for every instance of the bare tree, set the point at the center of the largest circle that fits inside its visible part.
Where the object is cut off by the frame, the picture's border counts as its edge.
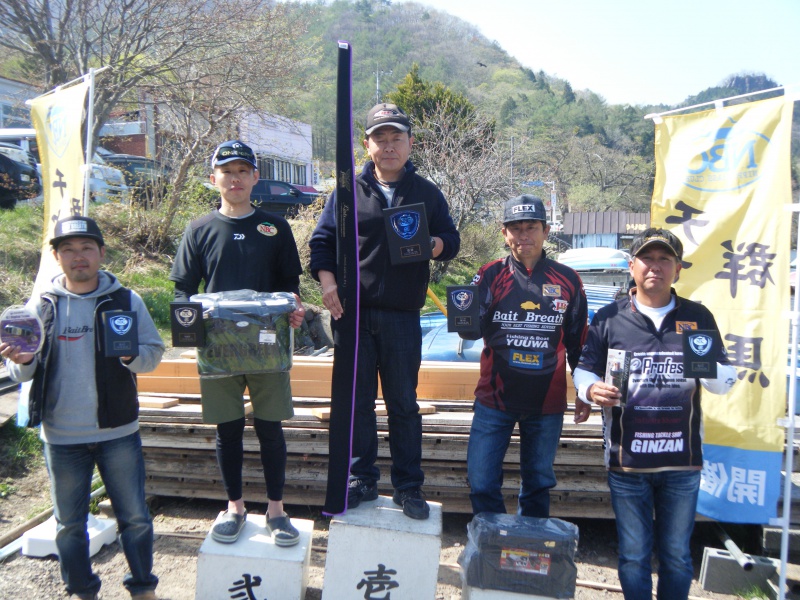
(460, 154)
(140, 40)
(204, 97)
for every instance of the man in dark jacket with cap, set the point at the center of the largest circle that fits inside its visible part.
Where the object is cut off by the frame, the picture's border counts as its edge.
(391, 296)
(85, 399)
(533, 315)
(653, 461)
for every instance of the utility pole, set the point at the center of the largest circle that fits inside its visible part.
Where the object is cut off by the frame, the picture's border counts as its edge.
(377, 72)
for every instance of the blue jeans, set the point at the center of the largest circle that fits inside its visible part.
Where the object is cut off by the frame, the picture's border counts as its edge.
(389, 344)
(673, 497)
(489, 437)
(121, 466)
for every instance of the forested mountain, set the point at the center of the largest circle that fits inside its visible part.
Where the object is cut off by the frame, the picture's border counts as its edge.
(600, 156)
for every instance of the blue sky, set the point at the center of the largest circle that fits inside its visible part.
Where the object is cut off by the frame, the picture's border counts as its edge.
(642, 51)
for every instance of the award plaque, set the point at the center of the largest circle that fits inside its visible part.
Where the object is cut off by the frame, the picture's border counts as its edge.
(186, 319)
(463, 310)
(120, 333)
(700, 349)
(21, 327)
(407, 233)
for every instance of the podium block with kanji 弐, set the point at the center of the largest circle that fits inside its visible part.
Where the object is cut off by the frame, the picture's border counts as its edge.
(253, 566)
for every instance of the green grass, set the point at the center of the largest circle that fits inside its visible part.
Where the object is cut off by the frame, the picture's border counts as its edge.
(20, 448)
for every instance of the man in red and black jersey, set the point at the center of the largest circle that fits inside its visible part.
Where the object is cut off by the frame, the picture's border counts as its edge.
(533, 320)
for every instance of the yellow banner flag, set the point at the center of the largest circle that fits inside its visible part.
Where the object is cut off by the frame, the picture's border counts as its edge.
(58, 118)
(722, 186)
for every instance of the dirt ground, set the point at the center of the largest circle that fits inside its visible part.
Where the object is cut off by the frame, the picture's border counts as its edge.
(181, 526)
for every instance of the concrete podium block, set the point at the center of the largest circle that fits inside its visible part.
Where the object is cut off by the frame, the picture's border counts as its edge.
(41, 540)
(375, 550)
(253, 566)
(475, 593)
(721, 573)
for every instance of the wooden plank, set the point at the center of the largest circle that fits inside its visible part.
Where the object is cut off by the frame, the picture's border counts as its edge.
(157, 402)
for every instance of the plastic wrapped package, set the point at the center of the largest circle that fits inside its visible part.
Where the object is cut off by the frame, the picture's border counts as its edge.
(246, 332)
(524, 555)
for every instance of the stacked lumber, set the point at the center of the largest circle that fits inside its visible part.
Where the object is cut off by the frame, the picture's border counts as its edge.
(180, 459)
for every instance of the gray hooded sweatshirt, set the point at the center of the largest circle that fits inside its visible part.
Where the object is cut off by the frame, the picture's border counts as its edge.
(71, 413)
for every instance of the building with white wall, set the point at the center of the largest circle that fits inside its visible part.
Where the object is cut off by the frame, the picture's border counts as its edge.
(283, 147)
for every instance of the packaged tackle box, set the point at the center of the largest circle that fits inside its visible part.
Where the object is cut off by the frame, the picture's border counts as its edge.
(245, 332)
(524, 555)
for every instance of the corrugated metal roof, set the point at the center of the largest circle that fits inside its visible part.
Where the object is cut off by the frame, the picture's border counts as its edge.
(613, 221)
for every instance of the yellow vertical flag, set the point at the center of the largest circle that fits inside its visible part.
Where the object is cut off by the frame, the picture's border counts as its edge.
(722, 186)
(58, 118)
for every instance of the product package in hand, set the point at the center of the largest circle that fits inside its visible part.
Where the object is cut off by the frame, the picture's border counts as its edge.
(21, 327)
(245, 332)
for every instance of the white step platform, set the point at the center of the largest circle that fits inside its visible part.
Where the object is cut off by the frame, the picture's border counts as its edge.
(41, 540)
(375, 551)
(254, 566)
(475, 593)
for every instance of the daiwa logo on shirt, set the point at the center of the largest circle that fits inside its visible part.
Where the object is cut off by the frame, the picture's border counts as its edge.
(726, 158)
(526, 360)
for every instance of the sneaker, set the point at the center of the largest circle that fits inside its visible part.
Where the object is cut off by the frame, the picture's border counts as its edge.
(228, 527)
(361, 491)
(413, 503)
(282, 531)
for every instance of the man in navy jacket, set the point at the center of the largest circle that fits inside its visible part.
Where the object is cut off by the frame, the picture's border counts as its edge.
(391, 296)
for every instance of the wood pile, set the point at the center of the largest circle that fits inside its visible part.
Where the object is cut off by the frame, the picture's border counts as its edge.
(180, 456)
(180, 459)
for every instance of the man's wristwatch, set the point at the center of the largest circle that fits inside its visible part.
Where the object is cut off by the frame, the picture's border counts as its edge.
(433, 243)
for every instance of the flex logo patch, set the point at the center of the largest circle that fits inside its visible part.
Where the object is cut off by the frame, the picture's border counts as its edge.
(560, 305)
(267, 229)
(526, 360)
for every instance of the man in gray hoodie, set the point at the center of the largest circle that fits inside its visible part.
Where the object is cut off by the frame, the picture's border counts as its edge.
(86, 403)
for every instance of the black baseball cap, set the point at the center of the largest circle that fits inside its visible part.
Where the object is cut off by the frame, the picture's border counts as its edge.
(75, 226)
(524, 208)
(233, 150)
(655, 235)
(384, 114)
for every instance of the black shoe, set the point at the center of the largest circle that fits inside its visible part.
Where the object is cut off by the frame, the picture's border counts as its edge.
(361, 491)
(282, 531)
(413, 503)
(228, 527)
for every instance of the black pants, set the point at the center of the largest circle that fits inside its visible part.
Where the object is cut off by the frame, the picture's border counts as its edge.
(230, 456)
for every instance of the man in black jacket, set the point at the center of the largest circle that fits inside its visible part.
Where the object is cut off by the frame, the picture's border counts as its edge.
(391, 296)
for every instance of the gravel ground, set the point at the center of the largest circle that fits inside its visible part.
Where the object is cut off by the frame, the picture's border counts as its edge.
(181, 526)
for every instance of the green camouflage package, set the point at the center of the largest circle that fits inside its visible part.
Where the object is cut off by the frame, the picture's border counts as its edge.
(246, 332)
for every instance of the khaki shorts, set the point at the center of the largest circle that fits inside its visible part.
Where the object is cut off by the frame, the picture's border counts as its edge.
(270, 393)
